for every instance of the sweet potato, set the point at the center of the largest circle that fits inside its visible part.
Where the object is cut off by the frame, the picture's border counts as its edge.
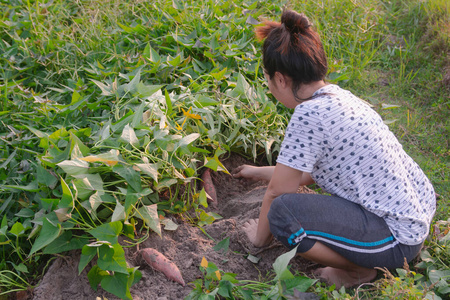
(159, 262)
(208, 185)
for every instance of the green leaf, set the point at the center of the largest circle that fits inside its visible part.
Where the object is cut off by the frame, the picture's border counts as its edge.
(4, 165)
(246, 294)
(75, 141)
(252, 21)
(401, 272)
(95, 276)
(107, 232)
(94, 202)
(31, 187)
(132, 177)
(444, 288)
(135, 276)
(281, 263)
(67, 199)
(146, 91)
(149, 213)
(106, 89)
(225, 289)
(203, 198)
(37, 133)
(169, 224)
(87, 254)
(203, 101)
(223, 245)
(117, 284)
(49, 204)
(215, 215)
(4, 207)
(132, 85)
(168, 103)
(74, 167)
(439, 276)
(45, 177)
(175, 61)
(206, 218)
(188, 139)
(125, 28)
(25, 213)
(87, 184)
(151, 54)
(426, 256)
(431, 296)
(219, 75)
(166, 183)
(146, 52)
(49, 233)
(129, 136)
(128, 229)
(17, 229)
(219, 152)
(149, 169)
(119, 213)
(299, 283)
(213, 164)
(178, 5)
(119, 125)
(64, 243)
(242, 85)
(20, 268)
(112, 258)
(130, 200)
(59, 134)
(138, 115)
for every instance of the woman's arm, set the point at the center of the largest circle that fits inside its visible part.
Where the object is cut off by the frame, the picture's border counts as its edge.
(264, 173)
(254, 173)
(284, 180)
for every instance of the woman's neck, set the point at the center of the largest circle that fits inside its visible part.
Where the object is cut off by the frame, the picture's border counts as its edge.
(307, 90)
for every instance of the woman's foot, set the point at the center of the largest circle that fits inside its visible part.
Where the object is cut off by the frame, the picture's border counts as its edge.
(341, 277)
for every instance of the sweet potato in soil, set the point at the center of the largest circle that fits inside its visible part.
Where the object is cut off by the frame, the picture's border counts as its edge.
(208, 185)
(159, 262)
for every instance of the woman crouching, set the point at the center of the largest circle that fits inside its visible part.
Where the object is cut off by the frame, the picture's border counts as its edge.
(381, 203)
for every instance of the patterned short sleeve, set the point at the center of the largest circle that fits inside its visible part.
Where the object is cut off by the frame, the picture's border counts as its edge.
(304, 140)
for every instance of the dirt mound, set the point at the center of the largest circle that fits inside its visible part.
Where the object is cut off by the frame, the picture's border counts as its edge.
(238, 201)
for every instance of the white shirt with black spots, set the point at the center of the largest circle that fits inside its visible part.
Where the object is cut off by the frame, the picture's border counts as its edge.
(352, 154)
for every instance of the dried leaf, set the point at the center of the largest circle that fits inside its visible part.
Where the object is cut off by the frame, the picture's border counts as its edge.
(204, 263)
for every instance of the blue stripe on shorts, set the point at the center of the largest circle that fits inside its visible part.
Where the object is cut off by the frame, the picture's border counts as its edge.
(348, 241)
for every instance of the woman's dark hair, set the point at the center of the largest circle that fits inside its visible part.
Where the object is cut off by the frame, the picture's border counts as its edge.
(294, 49)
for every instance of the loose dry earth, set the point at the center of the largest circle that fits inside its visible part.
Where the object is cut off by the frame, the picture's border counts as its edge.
(238, 201)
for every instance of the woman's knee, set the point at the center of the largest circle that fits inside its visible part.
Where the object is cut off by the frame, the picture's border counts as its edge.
(277, 209)
(281, 217)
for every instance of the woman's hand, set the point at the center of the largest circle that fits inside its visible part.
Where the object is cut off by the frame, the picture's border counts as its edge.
(253, 173)
(250, 228)
(246, 171)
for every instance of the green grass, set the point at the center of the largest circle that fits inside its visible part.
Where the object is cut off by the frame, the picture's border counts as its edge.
(151, 93)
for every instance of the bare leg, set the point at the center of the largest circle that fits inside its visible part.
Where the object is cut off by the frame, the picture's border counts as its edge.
(340, 271)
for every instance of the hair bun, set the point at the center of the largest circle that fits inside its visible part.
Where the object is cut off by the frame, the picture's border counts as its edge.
(295, 22)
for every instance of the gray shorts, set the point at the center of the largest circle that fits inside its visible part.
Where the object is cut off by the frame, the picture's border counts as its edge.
(357, 234)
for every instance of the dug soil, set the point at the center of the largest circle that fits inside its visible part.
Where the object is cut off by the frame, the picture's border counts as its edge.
(237, 201)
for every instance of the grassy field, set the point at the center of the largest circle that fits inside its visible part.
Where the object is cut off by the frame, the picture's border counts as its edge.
(106, 105)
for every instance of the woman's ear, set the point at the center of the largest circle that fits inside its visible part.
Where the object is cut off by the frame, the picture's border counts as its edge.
(281, 80)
